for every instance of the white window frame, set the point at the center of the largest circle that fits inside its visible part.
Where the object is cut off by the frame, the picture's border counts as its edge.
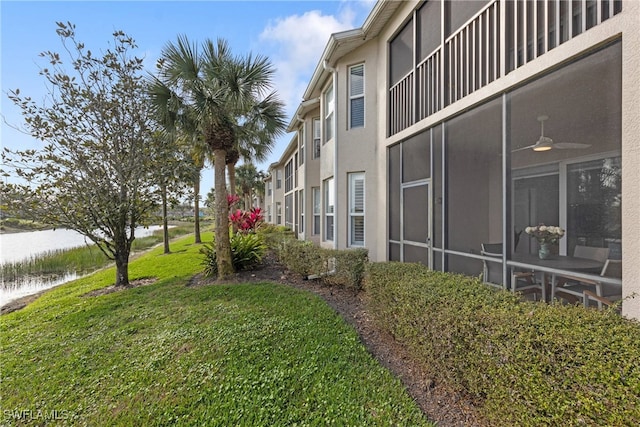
(329, 209)
(317, 210)
(301, 206)
(278, 213)
(355, 96)
(317, 138)
(301, 149)
(329, 108)
(354, 211)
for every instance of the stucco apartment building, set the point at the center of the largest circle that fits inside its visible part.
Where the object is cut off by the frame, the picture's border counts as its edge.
(440, 126)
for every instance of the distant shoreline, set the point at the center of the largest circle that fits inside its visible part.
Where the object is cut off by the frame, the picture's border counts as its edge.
(14, 230)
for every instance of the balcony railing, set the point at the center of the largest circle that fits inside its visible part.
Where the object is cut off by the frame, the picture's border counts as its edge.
(401, 104)
(500, 38)
(473, 54)
(429, 85)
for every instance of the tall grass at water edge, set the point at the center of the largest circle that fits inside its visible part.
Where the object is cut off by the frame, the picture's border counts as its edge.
(77, 260)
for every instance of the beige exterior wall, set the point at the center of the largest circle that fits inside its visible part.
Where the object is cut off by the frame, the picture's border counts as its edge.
(327, 163)
(309, 175)
(630, 27)
(356, 148)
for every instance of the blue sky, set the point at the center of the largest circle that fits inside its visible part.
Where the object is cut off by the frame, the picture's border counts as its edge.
(291, 33)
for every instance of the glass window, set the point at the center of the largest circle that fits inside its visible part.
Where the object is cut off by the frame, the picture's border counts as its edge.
(301, 139)
(356, 96)
(328, 114)
(356, 209)
(288, 176)
(594, 203)
(315, 191)
(316, 138)
(535, 201)
(288, 210)
(329, 206)
(278, 213)
(301, 198)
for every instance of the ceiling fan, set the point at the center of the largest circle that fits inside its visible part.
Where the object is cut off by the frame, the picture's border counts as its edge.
(545, 143)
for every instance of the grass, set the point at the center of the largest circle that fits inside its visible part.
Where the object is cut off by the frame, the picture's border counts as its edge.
(164, 354)
(79, 260)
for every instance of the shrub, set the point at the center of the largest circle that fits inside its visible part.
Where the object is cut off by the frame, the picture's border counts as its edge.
(301, 257)
(334, 267)
(275, 236)
(247, 251)
(526, 364)
(347, 267)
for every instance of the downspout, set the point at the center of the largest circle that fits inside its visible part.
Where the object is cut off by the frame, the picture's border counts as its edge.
(304, 181)
(334, 74)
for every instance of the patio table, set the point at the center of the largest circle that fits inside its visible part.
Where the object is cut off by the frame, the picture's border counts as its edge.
(550, 267)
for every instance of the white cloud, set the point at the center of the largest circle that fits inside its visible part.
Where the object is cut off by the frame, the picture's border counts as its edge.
(296, 43)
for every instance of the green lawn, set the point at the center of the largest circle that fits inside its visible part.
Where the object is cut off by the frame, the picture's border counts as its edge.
(254, 355)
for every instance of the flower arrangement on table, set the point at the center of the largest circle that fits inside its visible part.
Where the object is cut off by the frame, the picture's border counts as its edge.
(545, 233)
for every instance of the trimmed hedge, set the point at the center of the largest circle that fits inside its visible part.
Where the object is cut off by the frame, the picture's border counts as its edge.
(334, 267)
(525, 363)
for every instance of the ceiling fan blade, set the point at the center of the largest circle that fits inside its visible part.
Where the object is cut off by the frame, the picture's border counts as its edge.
(528, 147)
(570, 145)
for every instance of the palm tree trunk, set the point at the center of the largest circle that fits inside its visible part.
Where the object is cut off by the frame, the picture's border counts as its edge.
(196, 207)
(223, 246)
(165, 224)
(231, 167)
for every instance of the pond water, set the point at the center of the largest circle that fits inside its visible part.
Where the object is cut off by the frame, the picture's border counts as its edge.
(20, 246)
(16, 247)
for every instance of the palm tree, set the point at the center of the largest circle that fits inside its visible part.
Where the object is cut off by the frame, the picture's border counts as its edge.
(228, 97)
(247, 178)
(178, 122)
(252, 144)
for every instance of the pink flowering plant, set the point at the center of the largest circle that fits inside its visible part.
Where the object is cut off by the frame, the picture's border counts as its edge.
(545, 233)
(232, 200)
(246, 221)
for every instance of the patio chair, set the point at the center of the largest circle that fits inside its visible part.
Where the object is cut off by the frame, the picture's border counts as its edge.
(518, 281)
(602, 293)
(588, 252)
